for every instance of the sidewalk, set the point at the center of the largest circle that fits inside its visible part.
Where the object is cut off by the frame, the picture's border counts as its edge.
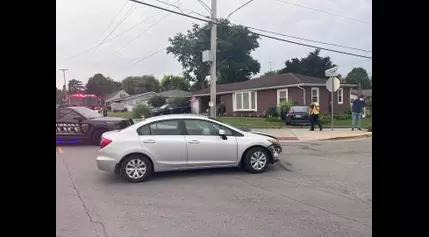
(301, 134)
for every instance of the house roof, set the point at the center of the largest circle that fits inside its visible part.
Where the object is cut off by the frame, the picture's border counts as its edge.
(111, 95)
(138, 95)
(174, 94)
(268, 82)
(365, 93)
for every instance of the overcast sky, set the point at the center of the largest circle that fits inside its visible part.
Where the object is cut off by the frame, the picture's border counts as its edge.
(81, 23)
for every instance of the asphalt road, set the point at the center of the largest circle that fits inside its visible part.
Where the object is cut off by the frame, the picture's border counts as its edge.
(318, 189)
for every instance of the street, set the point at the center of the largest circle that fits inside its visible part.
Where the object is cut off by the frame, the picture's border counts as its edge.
(317, 189)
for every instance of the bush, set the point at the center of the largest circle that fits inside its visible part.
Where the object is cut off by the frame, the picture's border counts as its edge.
(370, 128)
(157, 101)
(141, 110)
(348, 111)
(284, 107)
(180, 101)
(271, 112)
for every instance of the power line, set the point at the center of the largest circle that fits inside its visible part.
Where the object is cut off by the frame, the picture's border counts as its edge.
(143, 59)
(262, 35)
(138, 36)
(205, 6)
(310, 40)
(239, 8)
(129, 12)
(322, 11)
(111, 23)
(153, 25)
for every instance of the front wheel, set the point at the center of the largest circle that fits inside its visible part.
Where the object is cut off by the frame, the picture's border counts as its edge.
(136, 168)
(256, 160)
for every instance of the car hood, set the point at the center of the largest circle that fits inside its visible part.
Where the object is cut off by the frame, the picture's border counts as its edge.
(109, 119)
(258, 132)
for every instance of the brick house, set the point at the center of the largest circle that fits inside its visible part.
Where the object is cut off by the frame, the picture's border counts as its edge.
(253, 97)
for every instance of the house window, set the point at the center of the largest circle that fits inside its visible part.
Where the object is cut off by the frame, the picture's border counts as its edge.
(340, 95)
(282, 96)
(245, 101)
(315, 94)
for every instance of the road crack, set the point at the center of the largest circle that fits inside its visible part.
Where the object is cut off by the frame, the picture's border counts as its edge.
(85, 206)
(304, 203)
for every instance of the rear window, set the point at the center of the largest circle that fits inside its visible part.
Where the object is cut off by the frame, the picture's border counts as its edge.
(299, 109)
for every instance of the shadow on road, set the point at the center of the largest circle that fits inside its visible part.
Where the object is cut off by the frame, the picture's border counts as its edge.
(166, 176)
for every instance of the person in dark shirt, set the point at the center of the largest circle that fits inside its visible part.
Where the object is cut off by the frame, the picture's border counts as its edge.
(357, 107)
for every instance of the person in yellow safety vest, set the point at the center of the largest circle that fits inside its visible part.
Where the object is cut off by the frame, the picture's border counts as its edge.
(314, 115)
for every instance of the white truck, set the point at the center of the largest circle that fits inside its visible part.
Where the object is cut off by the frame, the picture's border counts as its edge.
(117, 107)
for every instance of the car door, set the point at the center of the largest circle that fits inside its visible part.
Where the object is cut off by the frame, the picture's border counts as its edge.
(165, 142)
(67, 124)
(206, 148)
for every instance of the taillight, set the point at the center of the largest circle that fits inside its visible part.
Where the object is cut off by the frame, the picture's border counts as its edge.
(290, 115)
(104, 142)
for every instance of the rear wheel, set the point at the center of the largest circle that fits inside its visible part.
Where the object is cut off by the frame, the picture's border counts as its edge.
(256, 160)
(136, 168)
(96, 136)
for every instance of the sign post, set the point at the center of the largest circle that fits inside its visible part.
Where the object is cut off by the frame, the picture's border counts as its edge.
(333, 84)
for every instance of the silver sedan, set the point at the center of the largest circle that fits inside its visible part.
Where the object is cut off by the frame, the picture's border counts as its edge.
(183, 142)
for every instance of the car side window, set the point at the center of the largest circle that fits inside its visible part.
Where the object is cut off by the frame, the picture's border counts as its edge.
(198, 127)
(144, 130)
(67, 114)
(169, 127)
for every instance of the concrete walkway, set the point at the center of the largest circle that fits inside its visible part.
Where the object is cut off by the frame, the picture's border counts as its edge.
(302, 134)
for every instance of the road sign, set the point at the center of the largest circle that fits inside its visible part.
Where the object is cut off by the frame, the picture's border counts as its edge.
(329, 84)
(331, 72)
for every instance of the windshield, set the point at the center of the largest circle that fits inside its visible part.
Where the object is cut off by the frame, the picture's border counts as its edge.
(87, 113)
(299, 109)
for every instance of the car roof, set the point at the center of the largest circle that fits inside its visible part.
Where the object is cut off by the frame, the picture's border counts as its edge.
(175, 116)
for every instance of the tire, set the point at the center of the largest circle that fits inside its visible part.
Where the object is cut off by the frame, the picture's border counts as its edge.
(256, 154)
(96, 136)
(139, 162)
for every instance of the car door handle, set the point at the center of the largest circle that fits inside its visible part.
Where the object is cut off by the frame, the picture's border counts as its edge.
(193, 142)
(149, 141)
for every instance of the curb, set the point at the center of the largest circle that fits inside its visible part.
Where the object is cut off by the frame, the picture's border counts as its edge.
(368, 134)
(288, 138)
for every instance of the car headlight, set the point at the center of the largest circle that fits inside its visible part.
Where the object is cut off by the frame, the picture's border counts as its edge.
(273, 141)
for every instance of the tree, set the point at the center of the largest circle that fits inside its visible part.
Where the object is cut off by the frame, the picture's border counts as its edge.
(313, 65)
(59, 96)
(359, 76)
(234, 45)
(157, 101)
(101, 85)
(170, 82)
(75, 86)
(270, 73)
(142, 84)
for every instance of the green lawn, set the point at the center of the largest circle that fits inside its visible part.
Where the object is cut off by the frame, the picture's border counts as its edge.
(263, 123)
(119, 114)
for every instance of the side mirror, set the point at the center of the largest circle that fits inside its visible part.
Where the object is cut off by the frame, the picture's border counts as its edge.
(221, 133)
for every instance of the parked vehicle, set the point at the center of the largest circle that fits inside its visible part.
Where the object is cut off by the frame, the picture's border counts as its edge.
(297, 115)
(81, 124)
(182, 142)
(117, 107)
(171, 109)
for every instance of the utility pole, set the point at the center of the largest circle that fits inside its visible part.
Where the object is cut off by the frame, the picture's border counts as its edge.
(65, 81)
(213, 63)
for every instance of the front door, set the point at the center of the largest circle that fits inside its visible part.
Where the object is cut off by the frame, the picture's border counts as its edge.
(68, 125)
(206, 148)
(165, 143)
